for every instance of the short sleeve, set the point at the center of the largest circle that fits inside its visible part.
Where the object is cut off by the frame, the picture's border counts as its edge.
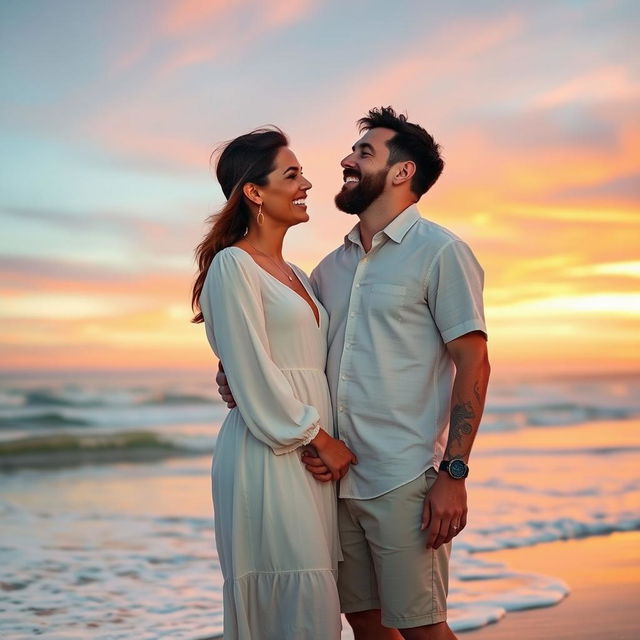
(231, 304)
(453, 288)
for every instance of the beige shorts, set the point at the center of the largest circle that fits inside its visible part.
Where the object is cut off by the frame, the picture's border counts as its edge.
(386, 563)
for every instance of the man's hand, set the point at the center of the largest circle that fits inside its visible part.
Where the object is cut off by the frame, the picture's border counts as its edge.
(314, 464)
(223, 387)
(444, 514)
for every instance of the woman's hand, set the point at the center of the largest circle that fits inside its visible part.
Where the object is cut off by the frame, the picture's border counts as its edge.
(333, 458)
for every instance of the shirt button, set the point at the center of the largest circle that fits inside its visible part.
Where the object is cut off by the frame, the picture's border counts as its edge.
(358, 286)
(352, 314)
(341, 408)
(344, 377)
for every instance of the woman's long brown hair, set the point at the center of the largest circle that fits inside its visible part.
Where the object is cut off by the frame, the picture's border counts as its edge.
(248, 158)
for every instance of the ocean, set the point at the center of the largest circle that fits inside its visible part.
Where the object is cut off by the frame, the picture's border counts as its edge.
(107, 523)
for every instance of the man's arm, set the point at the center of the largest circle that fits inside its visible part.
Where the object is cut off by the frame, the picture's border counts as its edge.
(445, 507)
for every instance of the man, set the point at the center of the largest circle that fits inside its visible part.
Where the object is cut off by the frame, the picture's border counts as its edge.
(408, 371)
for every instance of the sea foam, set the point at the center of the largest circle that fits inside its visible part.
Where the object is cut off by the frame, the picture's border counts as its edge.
(126, 550)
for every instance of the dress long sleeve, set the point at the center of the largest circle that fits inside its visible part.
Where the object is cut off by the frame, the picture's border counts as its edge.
(231, 303)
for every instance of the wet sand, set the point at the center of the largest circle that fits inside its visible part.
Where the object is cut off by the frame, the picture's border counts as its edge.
(603, 573)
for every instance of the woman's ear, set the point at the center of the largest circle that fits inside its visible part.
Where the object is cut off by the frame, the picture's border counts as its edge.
(250, 190)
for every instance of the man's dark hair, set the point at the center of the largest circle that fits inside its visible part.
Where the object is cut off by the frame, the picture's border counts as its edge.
(411, 142)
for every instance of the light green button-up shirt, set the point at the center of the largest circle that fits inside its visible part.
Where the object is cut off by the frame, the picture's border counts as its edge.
(391, 312)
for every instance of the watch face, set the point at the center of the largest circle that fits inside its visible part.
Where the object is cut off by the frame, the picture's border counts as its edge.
(457, 468)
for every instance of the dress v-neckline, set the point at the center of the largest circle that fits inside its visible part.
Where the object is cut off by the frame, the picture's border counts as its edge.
(317, 322)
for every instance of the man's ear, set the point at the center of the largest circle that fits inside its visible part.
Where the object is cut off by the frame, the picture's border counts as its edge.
(251, 191)
(404, 171)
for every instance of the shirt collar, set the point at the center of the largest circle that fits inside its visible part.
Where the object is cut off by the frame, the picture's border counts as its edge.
(353, 237)
(396, 230)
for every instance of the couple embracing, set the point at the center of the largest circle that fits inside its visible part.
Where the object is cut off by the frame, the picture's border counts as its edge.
(356, 393)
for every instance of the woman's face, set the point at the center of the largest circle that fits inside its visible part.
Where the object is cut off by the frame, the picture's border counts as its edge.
(284, 195)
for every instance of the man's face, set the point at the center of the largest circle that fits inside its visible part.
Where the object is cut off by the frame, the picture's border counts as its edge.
(365, 171)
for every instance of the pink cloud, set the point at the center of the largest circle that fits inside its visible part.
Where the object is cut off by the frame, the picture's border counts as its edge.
(189, 56)
(172, 151)
(422, 65)
(210, 29)
(142, 128)
(185, 16)
(196, 31)
(284, 12)
(609, 83)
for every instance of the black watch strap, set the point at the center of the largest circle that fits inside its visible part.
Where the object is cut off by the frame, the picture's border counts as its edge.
(456, 468)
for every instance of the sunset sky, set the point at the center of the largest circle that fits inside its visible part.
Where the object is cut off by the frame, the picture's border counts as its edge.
(110, 111)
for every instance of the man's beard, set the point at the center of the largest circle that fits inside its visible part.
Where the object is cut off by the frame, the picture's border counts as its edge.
(356, 199)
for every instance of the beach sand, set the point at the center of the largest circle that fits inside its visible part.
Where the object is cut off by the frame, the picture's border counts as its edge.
(603, 573)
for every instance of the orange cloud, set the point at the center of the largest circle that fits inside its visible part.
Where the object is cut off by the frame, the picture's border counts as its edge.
(541, 180)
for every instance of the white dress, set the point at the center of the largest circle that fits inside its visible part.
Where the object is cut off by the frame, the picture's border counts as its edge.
(276, 527)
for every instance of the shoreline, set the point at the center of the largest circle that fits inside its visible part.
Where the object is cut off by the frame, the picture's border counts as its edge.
(603, 575)
(51, 460)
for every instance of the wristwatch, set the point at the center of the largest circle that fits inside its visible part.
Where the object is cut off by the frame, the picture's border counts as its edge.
(456, 468)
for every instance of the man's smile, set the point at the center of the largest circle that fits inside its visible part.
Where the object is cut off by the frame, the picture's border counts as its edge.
(350, 176)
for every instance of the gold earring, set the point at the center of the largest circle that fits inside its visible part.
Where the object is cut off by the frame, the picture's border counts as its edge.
(260, 216)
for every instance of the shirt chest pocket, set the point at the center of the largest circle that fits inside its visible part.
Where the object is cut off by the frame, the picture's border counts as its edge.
(385, 299)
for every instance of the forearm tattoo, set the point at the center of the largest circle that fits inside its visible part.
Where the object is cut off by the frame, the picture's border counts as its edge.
(460, 415)
(476, 393)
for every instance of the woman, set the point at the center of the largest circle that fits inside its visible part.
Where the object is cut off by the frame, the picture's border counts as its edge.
(276, 529)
